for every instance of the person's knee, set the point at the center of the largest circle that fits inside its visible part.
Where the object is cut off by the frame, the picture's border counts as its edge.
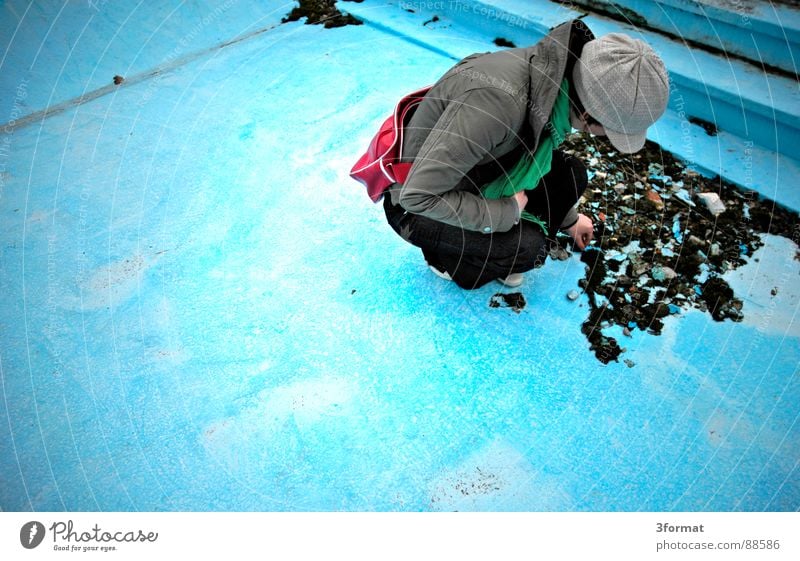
(533, 249)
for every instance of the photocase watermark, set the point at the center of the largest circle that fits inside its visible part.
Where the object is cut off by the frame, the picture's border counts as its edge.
(97, 5)
(20, 94)
(521, 93)
(569, 6)
(452, 6)
(490, 80)
(742, 8)
(184, 42)
(66, 537)
(748, 165)
(83, 227)
(31, 534)
(52, 270)
(679, 105)
(420, 6)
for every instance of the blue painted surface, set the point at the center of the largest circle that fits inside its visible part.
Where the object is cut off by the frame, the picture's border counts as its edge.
(201, 311)
(64, 50)
(763, 32)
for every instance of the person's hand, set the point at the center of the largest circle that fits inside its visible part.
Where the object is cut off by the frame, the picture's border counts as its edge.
(582, 231)
(522, 200)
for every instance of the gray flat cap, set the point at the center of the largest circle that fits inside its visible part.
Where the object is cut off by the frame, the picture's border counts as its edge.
(624, 85)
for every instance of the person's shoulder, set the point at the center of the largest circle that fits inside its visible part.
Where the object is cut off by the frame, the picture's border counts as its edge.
(505, 105)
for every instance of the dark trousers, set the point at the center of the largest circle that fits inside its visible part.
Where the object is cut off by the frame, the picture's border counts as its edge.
(473, 259)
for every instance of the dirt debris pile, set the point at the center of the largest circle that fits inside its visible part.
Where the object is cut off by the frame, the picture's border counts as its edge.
(321, 11)
(664, 237)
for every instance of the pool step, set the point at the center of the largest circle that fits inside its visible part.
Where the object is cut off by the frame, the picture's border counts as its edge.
(765, 33)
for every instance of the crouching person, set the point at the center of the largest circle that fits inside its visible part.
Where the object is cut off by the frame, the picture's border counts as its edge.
(488, 184)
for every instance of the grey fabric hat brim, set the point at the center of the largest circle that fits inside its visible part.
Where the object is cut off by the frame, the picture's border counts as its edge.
(626, 143)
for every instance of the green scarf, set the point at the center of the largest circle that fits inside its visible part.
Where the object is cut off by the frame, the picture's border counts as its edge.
(530, 168)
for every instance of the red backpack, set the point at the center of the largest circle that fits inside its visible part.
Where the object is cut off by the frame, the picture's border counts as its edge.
(380, 165)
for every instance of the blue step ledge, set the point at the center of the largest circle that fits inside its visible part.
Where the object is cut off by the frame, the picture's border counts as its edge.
(763, 32)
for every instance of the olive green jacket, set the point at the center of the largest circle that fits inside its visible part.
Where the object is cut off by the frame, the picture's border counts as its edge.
(480, 114)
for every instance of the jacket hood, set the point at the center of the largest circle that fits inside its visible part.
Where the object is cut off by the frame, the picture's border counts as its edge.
(549, 61)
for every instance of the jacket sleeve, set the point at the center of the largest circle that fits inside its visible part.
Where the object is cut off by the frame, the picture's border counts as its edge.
(469, 128)
(570, 219)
